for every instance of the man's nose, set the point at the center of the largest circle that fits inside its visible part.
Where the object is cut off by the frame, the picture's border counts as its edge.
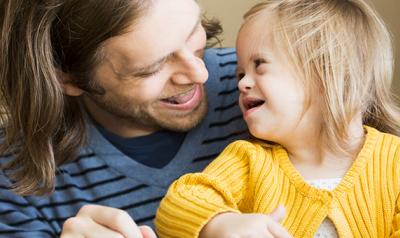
(189, 68)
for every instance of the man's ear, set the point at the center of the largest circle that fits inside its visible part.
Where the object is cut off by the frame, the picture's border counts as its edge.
(69, 87)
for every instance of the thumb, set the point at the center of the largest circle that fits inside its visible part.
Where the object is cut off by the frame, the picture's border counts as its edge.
(147, 232)
(278, 214)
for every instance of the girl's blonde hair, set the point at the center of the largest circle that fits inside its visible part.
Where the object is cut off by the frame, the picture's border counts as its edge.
(342, 49)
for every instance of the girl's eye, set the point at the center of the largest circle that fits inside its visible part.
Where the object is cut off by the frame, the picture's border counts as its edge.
(239, 76)
(258, 62)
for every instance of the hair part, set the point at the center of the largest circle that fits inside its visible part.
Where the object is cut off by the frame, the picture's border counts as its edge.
(342, 49)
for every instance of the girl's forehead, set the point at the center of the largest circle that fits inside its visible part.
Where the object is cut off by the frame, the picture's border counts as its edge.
(254, 36)
(259, 28)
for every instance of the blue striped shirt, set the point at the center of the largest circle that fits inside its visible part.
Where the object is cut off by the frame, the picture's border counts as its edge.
(104, 175)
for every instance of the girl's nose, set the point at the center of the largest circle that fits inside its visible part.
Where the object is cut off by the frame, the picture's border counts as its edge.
(245, 84)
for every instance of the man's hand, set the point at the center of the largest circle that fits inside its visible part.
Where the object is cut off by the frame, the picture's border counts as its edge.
(103, 222)
(227, 225)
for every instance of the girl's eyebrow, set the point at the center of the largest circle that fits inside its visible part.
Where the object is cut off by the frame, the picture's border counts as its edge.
(261, 55)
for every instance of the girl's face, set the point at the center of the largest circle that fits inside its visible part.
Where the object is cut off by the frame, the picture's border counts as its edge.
(272, 99)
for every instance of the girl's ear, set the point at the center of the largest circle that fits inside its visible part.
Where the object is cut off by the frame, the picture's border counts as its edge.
(69, 87)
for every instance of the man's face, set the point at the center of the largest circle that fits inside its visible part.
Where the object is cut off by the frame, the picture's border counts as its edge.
(153, 75)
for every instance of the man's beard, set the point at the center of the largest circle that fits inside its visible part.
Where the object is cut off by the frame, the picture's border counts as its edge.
(145, 115)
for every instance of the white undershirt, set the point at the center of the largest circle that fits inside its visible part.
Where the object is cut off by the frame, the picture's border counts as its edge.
(327, 228)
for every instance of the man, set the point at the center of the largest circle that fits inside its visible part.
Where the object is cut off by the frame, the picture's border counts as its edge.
(107, 102)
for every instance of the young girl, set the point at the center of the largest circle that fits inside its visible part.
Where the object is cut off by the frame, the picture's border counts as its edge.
(314, 78)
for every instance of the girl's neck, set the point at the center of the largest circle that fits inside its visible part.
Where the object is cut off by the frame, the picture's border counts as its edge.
(313, 154)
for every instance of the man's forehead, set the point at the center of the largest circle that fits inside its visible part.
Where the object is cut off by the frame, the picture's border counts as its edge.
(154, 37)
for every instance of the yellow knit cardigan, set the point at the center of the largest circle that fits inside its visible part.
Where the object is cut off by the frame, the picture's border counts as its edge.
(252, 178)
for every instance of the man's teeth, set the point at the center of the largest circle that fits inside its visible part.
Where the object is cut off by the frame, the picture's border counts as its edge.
(178, 99)
(169, 100)
(181, 95)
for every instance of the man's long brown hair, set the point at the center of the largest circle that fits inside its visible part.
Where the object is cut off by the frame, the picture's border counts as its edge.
(42, 127)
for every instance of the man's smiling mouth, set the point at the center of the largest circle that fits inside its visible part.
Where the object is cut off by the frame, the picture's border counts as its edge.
(181, 98)
(186, 101)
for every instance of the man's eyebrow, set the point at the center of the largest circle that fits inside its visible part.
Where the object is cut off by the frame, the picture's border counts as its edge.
(139, 70)
(150, 67)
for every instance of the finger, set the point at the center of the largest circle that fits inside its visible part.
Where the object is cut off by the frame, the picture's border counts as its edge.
(147, 232)
(84, 227)
(278, 231)
(115, 219)
(73, 227)
(278, 214)
(268, 235)
(71, 235)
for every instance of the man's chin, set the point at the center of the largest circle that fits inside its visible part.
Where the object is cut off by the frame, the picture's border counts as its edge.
(183, 123)
(180, 126)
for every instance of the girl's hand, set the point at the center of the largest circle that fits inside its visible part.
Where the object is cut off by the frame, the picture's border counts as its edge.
(229, 225)
(100, 221)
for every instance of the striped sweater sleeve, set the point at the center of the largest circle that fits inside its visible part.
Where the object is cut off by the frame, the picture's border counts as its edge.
(195, 198)
(18, 218)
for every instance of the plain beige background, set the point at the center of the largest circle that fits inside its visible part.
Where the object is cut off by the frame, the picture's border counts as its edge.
(230, 13)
